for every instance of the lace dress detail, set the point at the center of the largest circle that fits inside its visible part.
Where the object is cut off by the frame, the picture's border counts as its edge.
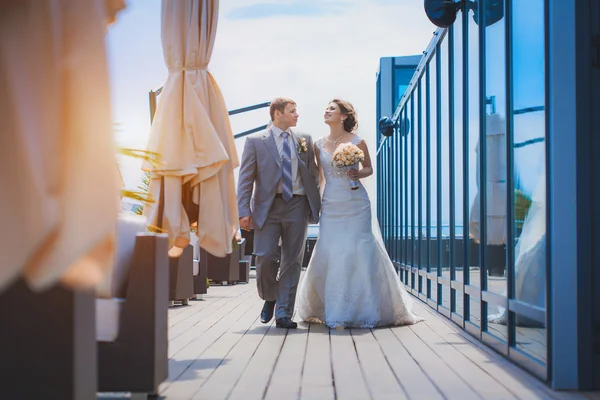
(350, 281)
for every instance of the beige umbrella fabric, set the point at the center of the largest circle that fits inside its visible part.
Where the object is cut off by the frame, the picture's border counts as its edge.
(191, 132)
(58, 172)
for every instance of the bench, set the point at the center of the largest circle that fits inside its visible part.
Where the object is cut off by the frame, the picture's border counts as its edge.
(131, 318)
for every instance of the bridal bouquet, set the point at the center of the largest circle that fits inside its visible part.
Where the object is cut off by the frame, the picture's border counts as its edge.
(347, 157)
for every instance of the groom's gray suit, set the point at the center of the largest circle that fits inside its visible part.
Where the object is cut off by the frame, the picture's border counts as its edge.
(273, 218)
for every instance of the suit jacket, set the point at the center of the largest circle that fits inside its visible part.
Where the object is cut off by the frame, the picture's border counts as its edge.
(260, 173)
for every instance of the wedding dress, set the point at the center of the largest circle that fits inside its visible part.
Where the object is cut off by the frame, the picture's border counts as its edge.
(350, 281)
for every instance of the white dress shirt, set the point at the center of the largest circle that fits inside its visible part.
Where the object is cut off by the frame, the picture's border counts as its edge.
(297, 186)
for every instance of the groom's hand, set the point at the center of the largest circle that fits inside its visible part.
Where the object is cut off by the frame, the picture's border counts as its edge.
(246, 223)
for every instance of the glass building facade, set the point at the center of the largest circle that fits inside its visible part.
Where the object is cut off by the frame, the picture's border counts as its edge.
(488, 186)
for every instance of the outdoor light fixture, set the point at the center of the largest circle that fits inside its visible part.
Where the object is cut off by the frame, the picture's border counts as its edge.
(442, 13)
(387, 127)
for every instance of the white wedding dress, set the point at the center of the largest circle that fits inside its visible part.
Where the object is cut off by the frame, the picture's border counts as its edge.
(350, 281)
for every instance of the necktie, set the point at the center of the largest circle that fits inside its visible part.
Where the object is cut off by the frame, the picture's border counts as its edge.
(286, 174)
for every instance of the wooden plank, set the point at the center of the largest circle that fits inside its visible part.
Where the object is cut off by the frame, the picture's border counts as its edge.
(221, 293)
(203, 324)
(287, 374)
(223, 381)
(479, 381)
(217, 297)
(446, 380)
(348, 378)
(380, 379)
(181, 361)
(179, 329)
(520, 383)
(220, 300)
(220, 350)
(255, 379)
(409, 373)
(190, 382)
(317, 376)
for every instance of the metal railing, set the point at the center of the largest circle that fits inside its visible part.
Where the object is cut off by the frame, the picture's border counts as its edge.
(153, 97)
(421, 183)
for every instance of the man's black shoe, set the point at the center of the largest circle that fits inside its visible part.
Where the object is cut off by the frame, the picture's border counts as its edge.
(286, 323)
(267, 312)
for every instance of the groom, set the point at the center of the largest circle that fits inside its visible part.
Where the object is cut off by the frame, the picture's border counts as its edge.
(278, 172)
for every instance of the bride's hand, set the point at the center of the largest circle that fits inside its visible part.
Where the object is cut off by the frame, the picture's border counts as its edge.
(353, 174)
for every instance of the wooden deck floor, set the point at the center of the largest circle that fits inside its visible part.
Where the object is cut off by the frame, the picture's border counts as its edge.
(219, 349)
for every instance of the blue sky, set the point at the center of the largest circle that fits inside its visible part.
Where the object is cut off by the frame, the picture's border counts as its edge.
(262, 10)
(310, 50)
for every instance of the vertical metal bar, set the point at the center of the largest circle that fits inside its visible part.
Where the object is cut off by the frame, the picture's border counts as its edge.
(397, 193)
(390, 167)
(451, 167)
(400, 194)
(396, 196)
(394, 200)
(466, 150)
(388, 200)
(550, 205)
(510, 183)
(385, 195)
(482, 164)
(406, 203)
(388, 185)
(438, 126)
(428, 172)
(412, 187)
(377, 139)
(420, 183)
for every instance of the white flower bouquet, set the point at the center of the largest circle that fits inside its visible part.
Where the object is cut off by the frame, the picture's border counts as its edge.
(347, 156)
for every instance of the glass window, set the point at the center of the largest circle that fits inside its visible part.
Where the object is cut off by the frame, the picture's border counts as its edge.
(402, 77)
(472, 146)
(528, 146)
(445, 176)
(496, 169)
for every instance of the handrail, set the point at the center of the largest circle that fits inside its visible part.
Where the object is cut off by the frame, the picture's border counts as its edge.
(249, 108)
(428, 54)
(249, 132)
(153, 94)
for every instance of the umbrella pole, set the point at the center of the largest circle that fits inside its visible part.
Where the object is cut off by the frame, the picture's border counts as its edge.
(161, 202)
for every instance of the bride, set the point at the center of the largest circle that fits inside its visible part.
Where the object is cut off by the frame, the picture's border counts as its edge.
(350, 281)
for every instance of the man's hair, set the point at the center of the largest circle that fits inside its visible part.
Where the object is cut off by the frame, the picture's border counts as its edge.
(279, 104)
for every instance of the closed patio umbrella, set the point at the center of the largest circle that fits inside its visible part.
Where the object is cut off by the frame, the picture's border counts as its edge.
(58, 172)
(192, 134)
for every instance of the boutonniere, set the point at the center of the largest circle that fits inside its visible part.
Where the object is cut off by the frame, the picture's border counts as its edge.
(302, 147)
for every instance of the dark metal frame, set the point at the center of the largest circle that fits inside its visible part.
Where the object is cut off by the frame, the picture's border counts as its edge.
(397, 195)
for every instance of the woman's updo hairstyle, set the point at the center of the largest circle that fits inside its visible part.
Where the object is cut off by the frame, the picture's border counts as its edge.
(351, 121)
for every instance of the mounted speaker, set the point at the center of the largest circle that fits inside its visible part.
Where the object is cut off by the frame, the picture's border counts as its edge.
(494, 12)
(442, 13)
